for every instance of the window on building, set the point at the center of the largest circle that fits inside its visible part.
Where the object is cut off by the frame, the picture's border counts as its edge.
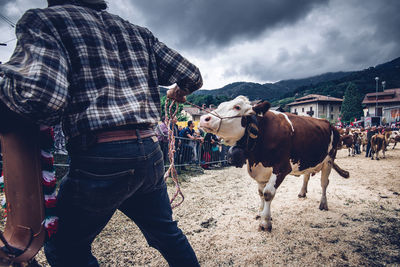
(323, 108)
(331, 108)
(379, 112)
(310, 108)
(331, 116)
(340, 108)
(295, 110)
(302, 110)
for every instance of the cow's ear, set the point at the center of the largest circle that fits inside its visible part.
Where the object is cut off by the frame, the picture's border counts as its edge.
(262, 107)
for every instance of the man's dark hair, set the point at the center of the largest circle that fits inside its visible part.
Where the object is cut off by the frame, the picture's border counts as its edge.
(190, 123)
(100, 6)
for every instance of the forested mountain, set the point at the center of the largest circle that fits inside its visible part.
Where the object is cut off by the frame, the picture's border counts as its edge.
(269, 91)
(333, 84)
(364, 81)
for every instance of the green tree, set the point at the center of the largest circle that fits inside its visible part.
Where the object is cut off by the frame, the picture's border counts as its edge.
(352, 104)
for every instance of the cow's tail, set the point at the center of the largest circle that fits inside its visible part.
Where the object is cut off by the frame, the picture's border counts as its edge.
(343, 173)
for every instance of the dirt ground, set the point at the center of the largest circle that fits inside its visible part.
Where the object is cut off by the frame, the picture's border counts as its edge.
(362, 226)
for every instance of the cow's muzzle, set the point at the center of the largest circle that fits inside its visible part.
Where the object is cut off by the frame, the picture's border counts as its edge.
(236, 157)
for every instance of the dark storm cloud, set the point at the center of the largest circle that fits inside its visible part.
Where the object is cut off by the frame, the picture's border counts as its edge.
(362, 34)
(215, 22)
(13, 9)
(385, 15)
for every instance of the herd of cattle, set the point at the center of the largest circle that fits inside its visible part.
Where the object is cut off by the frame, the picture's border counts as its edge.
(357, 139)
(275, 144)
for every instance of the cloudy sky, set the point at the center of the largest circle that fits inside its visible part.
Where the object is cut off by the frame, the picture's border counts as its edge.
(257, 40)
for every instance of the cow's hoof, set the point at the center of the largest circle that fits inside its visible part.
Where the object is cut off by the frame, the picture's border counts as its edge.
(264, 228)
(372, 158)
(323, 206)
(377, 158)
(301, 195)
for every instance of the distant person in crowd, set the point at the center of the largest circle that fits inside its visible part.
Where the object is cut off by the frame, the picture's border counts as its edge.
(215, 148)
(370, 132)
(357, 143)
(196, 145)
(188, 141)
(162, 136)
(208, 144)
(59, 140)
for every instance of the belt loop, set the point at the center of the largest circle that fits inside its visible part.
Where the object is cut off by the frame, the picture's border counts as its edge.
(139, 137)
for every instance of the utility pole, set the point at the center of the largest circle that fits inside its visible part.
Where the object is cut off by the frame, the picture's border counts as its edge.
(376, 96)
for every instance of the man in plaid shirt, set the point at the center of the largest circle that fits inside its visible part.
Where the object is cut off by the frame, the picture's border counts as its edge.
(99, 75)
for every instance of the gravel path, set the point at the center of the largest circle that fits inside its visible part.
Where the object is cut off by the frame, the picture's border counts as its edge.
(361, 227)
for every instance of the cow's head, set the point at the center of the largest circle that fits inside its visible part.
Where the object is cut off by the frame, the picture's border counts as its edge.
(230, 119)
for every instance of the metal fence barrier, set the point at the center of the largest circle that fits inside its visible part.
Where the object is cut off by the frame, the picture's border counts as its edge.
(196, 153)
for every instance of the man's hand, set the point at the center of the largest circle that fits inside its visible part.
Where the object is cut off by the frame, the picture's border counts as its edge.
(176, 94)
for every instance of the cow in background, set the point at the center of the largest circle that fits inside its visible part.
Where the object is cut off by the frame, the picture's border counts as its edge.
(394, 138)
(378, 143)
(346, 141)
(364, 141)
(282, 142)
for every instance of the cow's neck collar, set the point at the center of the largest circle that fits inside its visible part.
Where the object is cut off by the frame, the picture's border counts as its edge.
(249, 140)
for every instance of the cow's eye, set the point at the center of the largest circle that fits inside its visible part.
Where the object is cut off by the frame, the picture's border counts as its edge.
(236, 107)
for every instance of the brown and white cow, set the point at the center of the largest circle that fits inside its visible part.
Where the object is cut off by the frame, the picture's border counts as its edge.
(394, 138)
(285, 144)
(347, 141)
(364, 140)
(378, 143)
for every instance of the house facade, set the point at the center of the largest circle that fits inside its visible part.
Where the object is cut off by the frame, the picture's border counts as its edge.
(194, 113)
(317, 106)
(384, 104)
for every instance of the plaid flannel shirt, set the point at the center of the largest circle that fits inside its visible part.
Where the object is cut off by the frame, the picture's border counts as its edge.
(89, 69)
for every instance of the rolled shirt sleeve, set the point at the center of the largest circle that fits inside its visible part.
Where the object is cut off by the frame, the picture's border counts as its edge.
(35, 83)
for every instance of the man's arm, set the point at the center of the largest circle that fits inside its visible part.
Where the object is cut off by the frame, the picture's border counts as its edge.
(35, 84)
(188, 135)
(174, 68)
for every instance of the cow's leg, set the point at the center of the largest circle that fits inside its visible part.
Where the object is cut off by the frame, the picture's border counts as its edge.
(268, 194)
(303, 190)
(394, 145)
(326, 170)
(377, 155)
(261, 187)
(266, 220)
(349, 151)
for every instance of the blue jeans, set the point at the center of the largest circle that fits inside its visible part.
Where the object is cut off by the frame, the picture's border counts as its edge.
(124, 175)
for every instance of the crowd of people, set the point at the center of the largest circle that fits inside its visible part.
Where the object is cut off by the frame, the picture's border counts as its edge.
(191, 146)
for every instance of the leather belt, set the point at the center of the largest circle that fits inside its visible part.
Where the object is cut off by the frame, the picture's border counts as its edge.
(120, 135)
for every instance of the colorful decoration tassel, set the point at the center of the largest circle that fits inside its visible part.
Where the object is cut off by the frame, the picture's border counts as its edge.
(49, 179)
